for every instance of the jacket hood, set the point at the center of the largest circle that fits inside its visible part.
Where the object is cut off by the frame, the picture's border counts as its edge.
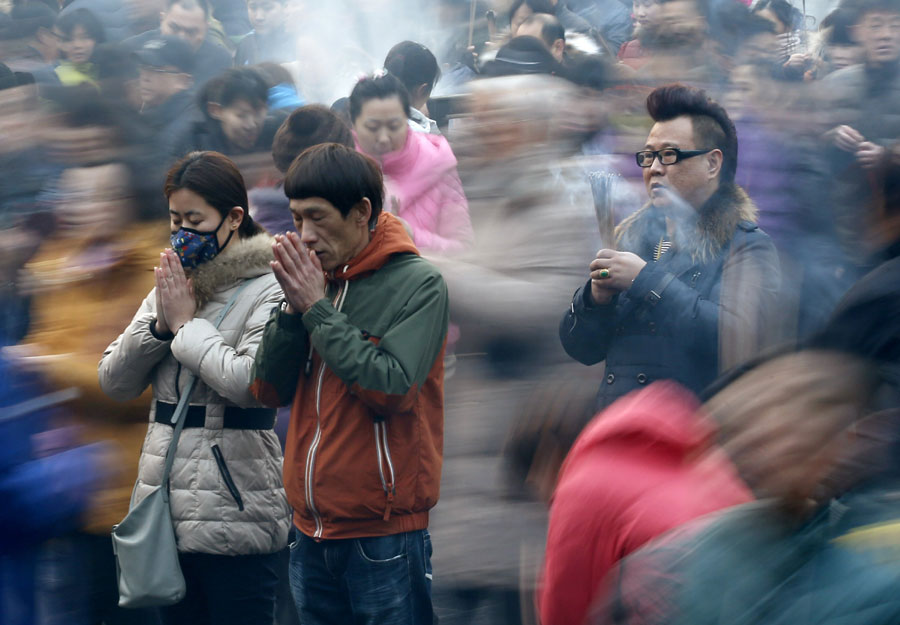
(664, 416)
(240, 260)
(421, 163)
(389, 238)
(710, 228)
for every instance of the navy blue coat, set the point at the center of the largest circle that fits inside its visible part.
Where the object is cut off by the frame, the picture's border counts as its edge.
(702, 308)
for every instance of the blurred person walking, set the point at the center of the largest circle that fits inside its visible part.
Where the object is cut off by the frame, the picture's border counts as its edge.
(82, 285)
(357, 348)
(531, 207)
(189, 21)
(691, 287)
(228, 505)
(422, 186)
(643, 466)
(236, 119)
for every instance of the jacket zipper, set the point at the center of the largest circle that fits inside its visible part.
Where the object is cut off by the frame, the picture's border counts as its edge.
(383, 452)
(338, 302)
(226, 475)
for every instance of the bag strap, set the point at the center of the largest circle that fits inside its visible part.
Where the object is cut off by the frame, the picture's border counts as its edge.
(181, 408)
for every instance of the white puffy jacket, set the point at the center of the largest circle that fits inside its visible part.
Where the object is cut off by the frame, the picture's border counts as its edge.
(227, 495)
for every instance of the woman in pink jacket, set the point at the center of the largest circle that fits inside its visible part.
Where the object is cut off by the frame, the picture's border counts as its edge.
(422, 185)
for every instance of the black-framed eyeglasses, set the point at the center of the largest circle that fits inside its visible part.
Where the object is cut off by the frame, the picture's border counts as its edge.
(666, 156)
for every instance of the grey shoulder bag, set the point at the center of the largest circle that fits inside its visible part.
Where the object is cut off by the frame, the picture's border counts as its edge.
(144, 542)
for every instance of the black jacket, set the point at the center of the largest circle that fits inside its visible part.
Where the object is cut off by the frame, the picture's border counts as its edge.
(702, 308)
(207, 134)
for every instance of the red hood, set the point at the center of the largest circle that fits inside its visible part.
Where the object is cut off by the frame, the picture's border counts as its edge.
(665, 416)
(389, 238)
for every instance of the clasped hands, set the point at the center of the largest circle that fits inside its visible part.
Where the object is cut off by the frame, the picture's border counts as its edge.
(175, 303)
(868, 154)
(613, 272)
(298, 271)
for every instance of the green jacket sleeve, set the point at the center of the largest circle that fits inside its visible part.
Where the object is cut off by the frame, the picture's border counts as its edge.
(280, 358)
(387, 375)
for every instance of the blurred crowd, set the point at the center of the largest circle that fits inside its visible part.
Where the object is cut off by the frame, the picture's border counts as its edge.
(704, 433)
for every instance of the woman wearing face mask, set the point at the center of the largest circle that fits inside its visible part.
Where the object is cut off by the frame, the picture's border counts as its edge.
(228, 504)
(422, 186)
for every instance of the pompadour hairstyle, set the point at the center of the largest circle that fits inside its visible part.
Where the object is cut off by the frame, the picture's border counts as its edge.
(712, 126)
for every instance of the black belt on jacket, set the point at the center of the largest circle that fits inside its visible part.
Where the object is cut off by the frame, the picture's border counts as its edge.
(235, 418)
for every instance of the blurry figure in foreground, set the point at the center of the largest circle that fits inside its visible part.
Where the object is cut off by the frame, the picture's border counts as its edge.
(792, 427)
(47, 481)
(269, 40)
(531, 208)
(692, 263)
(422, 186)
(85, 283)
(645, 465)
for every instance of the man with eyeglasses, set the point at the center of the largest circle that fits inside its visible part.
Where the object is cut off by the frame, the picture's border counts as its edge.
(691, 285)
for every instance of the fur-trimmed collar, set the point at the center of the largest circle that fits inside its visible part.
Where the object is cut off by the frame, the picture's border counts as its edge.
(701, 233)
(241, 259)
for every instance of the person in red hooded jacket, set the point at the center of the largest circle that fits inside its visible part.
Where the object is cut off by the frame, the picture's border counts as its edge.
(643, 466)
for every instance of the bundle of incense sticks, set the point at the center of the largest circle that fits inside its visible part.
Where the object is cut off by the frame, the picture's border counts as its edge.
(603, 186)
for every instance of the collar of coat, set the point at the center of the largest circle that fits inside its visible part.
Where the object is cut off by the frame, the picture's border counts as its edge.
(702, 233)
(241, 259)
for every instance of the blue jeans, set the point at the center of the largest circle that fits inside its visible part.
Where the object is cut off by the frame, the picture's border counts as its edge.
(384, 580)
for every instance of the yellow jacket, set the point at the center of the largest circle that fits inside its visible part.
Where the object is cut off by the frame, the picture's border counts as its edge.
(77, 311)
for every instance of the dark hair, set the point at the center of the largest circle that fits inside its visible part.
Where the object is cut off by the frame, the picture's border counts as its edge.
(538, 6)
(190, 4)
(377, 88)
(837, 25)
(338, 174)
(860, 8)
(232, 86)
(413, 64)
(522, 55)
(273, 74)
(551, 28)
(786, 14)
(712, 126)
(305, 127)
(216, 179)
(85, 18)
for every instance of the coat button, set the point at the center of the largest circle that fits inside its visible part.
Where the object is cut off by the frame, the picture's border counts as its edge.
(642, 378)
(610, 378)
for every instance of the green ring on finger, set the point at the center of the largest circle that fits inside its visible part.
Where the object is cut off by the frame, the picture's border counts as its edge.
(604, 273)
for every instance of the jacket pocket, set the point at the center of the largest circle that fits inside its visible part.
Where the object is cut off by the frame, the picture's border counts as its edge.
(226, 475)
